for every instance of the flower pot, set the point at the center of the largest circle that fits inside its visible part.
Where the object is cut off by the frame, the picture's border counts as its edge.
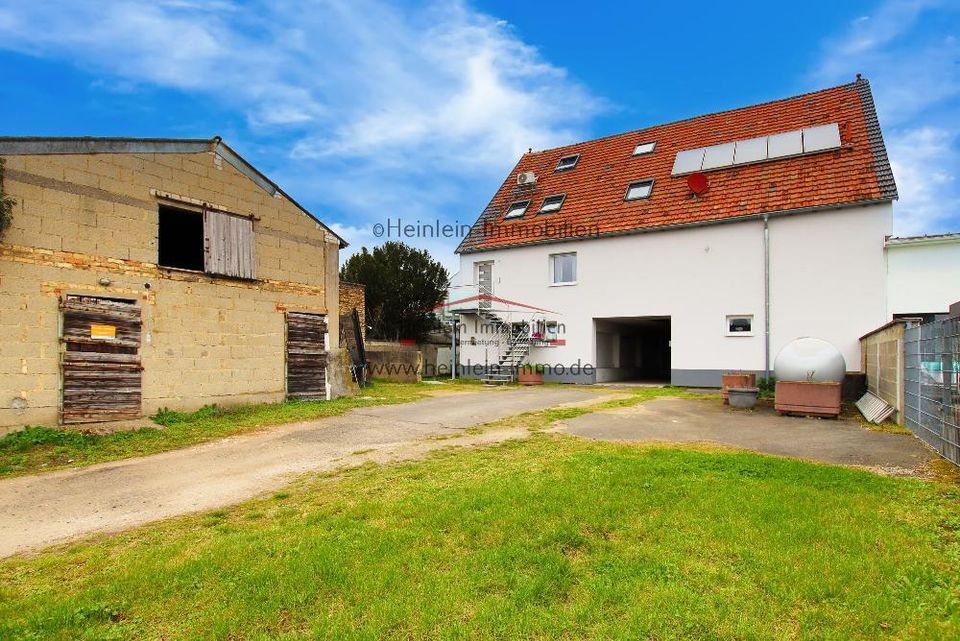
(743, 398)
(737, 380)
(808, 399)
(528, 377)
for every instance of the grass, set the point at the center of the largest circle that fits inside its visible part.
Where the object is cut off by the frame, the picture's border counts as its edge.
(37, 449)
(550, 537)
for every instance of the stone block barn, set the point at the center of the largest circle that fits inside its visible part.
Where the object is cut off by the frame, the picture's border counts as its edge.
(139, 274)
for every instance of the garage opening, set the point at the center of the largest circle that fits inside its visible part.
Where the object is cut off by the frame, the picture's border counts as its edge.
(635, 349)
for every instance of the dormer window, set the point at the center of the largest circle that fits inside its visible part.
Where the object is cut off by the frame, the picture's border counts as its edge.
(644, 148)
(517, 209)
(552, 204)
(639, 190)
(568, 162)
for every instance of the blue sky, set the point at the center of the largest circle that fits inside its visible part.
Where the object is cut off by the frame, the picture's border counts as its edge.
(367, 111)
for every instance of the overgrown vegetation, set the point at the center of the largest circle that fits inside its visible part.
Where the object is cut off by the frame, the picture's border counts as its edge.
(7, 203)
(37, 449)
(550, 537)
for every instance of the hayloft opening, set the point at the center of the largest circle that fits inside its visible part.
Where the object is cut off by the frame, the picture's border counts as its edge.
(180, 240)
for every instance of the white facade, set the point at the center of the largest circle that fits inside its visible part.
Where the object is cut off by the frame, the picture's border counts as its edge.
(827, 280)
(923, 274)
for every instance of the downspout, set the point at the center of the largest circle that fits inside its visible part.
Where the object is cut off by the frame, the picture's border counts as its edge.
(766, 296)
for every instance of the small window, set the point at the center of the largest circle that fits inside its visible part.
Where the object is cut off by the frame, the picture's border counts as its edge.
(741, 325)
(517, 209)
(644, 148)
(563, 268)
(568, 162)
(552, 204)
(180, 239)
(639, 190)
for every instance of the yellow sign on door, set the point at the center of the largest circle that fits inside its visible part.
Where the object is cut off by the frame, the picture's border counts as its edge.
(103, 332)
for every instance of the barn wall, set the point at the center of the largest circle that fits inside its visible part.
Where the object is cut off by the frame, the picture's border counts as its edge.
(85, 220)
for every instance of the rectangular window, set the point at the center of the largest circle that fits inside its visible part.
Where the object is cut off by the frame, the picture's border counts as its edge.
(210, 241)
(639, 190)
(563, 268)
(740, 325)
(568, 162)
(517, 209)
(180, 239)
(644, 148)
(552, 203)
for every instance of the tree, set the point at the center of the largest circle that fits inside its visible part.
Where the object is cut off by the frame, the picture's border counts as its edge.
(403, 286)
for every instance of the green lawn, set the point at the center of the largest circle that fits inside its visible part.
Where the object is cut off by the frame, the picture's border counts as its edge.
(38, 449)
(552, 537)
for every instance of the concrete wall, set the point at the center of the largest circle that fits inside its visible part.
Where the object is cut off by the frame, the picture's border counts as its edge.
(882, 354)
(80, 219)
(828, 279)
(923, 276)
(394, 362)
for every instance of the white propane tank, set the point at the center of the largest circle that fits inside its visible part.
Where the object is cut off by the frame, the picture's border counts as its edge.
(810, 359)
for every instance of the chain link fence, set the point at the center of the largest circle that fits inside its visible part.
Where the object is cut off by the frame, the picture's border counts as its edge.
(932, 385)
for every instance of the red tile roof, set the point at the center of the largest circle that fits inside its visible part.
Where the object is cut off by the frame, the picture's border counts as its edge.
(858, 172)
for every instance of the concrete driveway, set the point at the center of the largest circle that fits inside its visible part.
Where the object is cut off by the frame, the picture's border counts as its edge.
(687, 421)
(57, 506)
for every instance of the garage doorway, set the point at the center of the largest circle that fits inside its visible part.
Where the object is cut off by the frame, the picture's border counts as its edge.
(635, 349)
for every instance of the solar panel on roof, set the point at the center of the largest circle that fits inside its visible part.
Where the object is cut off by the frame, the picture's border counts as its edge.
(750, 150)
(718, 156)
(821, 138)
(787, 144)
(687, 161)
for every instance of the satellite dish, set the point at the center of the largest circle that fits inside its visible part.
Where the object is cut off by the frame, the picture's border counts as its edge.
(698, 183)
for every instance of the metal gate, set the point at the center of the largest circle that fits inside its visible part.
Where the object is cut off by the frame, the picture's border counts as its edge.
(306, 356)
(932, 385)
(101, 360)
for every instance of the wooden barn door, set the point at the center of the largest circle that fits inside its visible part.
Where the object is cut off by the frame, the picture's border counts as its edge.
(306, 356)
(101, 361)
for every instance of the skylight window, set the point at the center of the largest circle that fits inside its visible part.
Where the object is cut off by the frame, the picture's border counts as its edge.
(517, 209)
(552, 203)
(644, 148)
(639, 190)
(568, 162)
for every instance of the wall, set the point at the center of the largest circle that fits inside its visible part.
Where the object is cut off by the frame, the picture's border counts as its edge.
(83, 218)
(394, 362)
(923, 277)
(827, 280)
(353, 296)
(883, 364)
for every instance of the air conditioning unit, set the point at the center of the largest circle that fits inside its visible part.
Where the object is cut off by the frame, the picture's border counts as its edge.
(526, 178)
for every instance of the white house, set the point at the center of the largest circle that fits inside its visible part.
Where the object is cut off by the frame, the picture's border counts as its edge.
(680, 251)
(923, 275)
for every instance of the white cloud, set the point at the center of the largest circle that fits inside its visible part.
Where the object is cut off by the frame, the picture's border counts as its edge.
(924, 162)
(909, 51)
(428, 107)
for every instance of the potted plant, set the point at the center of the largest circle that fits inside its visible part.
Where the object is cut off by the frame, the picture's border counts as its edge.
(736, 379)
(530, 374)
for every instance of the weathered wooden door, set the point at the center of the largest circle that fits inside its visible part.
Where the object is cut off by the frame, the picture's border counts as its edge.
(306, 356)
(101, 360)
